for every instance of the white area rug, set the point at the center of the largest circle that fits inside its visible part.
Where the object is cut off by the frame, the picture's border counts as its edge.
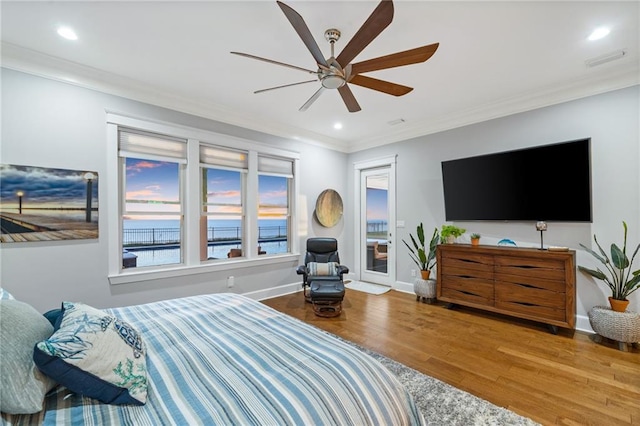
(367, 287)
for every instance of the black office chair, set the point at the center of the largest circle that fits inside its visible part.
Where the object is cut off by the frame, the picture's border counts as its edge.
(322, 276)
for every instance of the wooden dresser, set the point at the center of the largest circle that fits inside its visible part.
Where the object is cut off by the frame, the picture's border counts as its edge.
(538, 285)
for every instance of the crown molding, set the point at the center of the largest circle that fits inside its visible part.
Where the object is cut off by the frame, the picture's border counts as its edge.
(596, 83)
(36, 63)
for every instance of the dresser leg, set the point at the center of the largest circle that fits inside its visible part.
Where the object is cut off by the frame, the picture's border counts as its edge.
(450, 306)
(553, 328)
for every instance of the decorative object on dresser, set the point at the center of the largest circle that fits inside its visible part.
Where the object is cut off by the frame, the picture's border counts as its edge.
(475, 239)
(449, 233)
(425, 260)
(620, 279)
(541, 226)
(623, 327)
(521, 282)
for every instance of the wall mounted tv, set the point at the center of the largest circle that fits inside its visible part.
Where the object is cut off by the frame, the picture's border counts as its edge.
(550, 183)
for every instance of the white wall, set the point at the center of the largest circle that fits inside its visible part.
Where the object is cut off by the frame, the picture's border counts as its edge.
(611, 120)
(51, 124)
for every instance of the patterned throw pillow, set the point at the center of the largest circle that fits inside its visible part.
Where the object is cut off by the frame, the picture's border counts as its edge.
(5, 295)
(328, 268)
(95, 354)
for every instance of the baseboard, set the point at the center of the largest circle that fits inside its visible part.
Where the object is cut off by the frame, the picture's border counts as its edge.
(403, 287)
(583, 324)
(269, 293)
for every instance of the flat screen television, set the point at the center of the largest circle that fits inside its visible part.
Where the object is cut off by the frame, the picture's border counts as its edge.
(549, 182)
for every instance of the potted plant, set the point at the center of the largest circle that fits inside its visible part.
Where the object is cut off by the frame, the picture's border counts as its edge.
(619, 277)
(419, 254)
(475, 239)
(449, 233)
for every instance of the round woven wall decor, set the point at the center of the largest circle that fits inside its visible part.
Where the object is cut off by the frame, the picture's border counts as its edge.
(329, 208)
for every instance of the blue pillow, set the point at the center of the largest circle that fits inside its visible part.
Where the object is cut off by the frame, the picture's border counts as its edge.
(54, 316)
(95, 354)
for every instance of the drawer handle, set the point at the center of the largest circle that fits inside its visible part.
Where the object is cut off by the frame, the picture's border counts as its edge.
(527, 285)
(525, 303)
(468, 292)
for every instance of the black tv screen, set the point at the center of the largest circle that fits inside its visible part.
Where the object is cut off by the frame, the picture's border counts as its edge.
(550, 183)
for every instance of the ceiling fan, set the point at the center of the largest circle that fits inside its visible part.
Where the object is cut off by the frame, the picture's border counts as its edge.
(337, 72)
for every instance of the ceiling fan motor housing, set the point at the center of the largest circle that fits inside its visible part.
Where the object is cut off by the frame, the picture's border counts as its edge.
(331, 81)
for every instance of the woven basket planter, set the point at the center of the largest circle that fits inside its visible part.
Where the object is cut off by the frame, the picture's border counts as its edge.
(425, 289)
(619, 326)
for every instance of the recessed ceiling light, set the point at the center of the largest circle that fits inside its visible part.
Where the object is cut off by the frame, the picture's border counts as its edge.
(67, 33)
(337, 126)
(599, 33)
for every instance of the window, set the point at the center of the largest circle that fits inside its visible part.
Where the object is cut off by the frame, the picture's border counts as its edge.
(275, 177)
(222, 222)
(152, 203)
(192, 201)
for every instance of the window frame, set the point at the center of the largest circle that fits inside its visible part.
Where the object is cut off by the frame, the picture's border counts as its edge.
(191, 189)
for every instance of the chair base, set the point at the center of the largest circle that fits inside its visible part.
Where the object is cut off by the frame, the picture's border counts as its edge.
(327, 308)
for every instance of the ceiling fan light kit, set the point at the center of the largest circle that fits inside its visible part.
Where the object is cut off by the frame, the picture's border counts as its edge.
(333, 75)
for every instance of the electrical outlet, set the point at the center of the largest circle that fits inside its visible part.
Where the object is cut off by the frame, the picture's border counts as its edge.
(230, 281)
(413, 272)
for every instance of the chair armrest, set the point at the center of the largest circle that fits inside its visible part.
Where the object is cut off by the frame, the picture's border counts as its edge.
(302, 270)
(343, 269)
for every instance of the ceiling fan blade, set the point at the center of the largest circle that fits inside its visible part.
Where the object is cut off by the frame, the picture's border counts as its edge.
(271, 61)
(408, 57)
(349, 99)
(379, 19)
(303, 31)
(285, 85)
(380, 85)
(312, 99)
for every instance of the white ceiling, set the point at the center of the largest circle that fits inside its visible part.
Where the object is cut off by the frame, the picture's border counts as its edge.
(495, 59)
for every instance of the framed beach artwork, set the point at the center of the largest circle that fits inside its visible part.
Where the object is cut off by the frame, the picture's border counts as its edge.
(44, 204)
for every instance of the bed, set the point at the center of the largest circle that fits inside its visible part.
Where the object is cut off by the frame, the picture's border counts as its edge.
(226, 359)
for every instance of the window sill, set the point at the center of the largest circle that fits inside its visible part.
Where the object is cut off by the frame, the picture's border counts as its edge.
(184, 270)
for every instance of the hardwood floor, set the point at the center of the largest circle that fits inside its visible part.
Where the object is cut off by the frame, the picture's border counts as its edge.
(553, 379)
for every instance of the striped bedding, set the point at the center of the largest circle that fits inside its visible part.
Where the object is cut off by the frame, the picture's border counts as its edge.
(226, 359)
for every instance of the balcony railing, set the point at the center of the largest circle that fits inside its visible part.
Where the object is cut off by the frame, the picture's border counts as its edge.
(215, 235)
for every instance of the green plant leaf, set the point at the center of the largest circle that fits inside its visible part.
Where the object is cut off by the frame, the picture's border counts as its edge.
(604, 255)
(420, 232)
(618, 257)
(593, 253)
(594, 273)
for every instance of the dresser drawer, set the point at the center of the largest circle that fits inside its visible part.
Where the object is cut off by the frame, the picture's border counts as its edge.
(535, 302)
(532, 281)
(552, 269)
(474, 290)
(472, 267)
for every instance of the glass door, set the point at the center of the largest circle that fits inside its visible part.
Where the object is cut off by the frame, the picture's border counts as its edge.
(376, 254)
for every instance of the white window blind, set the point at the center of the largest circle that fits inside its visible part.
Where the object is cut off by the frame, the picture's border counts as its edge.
(216, 156)
(275, 166)
(151, 146)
